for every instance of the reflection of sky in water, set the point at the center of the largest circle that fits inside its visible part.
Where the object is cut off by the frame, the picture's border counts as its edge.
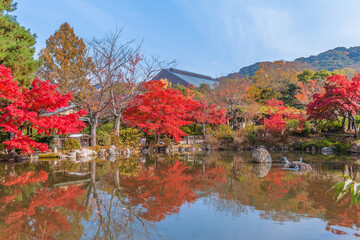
(217, 196)
(199, 222)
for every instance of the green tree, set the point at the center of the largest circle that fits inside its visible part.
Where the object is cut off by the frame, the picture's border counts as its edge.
(204, 88)
(16, 45)
(321, 75)
(65, 61)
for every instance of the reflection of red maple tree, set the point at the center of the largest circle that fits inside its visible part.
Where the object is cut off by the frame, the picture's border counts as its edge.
(163, 192)
(279, 183)
(209, 179)
(37, 217)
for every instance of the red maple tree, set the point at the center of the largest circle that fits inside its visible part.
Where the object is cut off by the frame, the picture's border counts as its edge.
(160, 110)
(341, 98)
(23, 109)
(280, 116)
(205, 113)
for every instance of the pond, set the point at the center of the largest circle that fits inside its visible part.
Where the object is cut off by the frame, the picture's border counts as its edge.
(216, 195)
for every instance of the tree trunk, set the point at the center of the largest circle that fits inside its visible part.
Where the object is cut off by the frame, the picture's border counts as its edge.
(93, 127)
(355, 127)
(343, 124)
(117, 124)
(349, 124)
(194, 124)
(93, 134)
(204, 129)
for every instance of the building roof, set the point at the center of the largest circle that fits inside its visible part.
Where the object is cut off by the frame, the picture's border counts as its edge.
(59, 110)
(176, 76)
(79, 135)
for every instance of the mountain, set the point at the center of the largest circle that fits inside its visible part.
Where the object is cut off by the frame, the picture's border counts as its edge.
(333, 59)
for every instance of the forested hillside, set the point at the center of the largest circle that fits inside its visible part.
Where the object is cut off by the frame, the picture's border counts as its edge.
(334, 59)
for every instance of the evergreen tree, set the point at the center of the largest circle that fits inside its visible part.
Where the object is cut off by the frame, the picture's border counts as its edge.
(65, 61)
(16, 45)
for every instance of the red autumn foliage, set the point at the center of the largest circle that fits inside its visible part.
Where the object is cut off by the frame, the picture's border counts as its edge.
(208, 179)
(26, 178)
(38, 217)
(205, 113)
(22, 108)
(280, 116)
(340, 98)
(279, 183)
(160, 110)
(162, 192)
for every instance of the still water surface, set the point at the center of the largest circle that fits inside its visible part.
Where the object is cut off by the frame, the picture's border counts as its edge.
(203, 196)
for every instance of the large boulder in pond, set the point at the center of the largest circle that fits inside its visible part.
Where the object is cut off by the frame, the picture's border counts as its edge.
(261, 155)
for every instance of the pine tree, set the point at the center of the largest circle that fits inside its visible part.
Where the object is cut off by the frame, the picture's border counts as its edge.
(16, 45)
(65, 61)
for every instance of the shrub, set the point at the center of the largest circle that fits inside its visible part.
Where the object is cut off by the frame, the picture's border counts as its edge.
(222, 132)
(49, 155)
(331, 126)
(192, 129)
(49, 140)
(86, 130)
(150, 139)
(106, 127)
(308, 129)
(103, 138)
(318, 144)
(130, 137)
(71, 143)
(212, 141)
(167, 141)
(239, 138)
(115, 140)
(342, 147)
(250, 134)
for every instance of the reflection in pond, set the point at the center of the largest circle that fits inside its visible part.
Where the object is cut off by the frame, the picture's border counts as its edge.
(261, 169)
(158, 196)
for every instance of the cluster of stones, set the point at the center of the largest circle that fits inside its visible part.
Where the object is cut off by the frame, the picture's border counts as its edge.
(313, 150)
(112, 152)
(173, 149)
(324, 150)
(355, 148)
(14, 157)
(79, 154)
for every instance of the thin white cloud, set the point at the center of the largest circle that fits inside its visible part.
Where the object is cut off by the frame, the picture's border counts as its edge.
(269, 30)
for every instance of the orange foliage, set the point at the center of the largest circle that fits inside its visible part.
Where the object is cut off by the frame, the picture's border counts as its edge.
(307, 90)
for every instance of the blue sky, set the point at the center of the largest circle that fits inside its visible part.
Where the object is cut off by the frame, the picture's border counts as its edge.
(212, 37)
